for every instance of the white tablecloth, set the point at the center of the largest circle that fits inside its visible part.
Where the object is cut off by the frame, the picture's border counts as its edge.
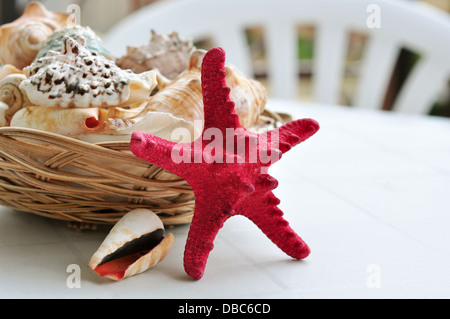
(369, 193)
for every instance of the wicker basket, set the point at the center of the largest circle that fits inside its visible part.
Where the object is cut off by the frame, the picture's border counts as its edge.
(88, 184)
(62, 178)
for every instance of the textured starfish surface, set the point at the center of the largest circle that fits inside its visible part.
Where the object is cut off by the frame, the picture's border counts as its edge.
(227, 167)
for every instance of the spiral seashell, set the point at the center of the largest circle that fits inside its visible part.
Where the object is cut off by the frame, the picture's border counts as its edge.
(167, 53)
(12, 96)
(183, 97)
(3, 109)
(21, 40)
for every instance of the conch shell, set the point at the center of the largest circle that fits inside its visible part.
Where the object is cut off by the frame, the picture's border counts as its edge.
(68, 122)
(183, 97)
(134, 245)
(12, 97)
(21, 40)
(97, 125)
(77, 77)
(167, 53)
(163, 125)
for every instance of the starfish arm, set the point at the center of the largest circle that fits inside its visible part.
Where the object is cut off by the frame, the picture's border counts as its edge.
(242, 185)
(204, 228)
(292, 134)
(158, 151)
(271, 222)
(219, 109)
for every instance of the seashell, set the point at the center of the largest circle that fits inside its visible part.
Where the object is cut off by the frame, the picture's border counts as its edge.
(163, 125)
(56, 41)
(248, 95)
(134, 245)
(97, 125)
(21, 40)
(183, 97)
(167, 53)
(3, 109)
(8, 70)
(77, 77)
(68, 122)
(12, 96)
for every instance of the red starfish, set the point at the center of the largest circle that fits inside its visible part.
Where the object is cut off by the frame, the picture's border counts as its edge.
(229, 175)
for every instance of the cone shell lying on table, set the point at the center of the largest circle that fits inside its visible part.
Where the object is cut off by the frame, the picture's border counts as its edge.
(183, 97)
(167, 53)
(77, 77)
(134, 245)
(21, 40)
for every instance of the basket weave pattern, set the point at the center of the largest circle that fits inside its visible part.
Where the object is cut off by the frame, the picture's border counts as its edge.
(66, 179)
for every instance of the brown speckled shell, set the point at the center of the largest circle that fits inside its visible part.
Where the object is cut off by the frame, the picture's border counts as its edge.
(77, 77)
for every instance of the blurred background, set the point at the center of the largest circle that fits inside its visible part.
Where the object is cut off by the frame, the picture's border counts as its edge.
(100, 20)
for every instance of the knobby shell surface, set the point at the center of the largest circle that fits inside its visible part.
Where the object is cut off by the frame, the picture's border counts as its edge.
(56, 40)
(167, 53)
(77, 77)
(21, 40)
(134, 245)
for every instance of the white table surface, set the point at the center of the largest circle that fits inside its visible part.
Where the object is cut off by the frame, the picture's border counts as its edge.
(370, 194)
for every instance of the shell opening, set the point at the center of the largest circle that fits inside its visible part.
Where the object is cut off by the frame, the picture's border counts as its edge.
(119, 261)
(92, 122)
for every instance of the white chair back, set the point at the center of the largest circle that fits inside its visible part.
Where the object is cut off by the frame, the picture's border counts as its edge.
(390, 25)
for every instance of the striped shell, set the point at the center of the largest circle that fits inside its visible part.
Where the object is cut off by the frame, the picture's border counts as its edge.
(183, 97)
